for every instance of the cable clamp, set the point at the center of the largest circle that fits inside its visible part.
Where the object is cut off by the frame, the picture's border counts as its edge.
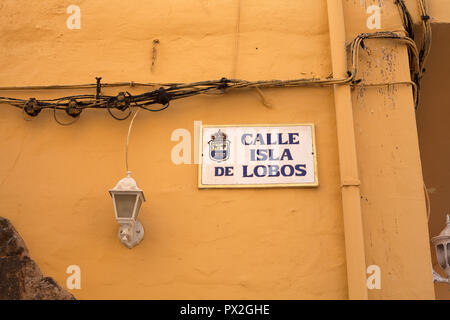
(122, 102)
(223, 84)
(72, 109)
(162, 96)
(32, 107)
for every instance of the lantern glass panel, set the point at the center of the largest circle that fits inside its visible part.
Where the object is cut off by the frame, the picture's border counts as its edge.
(125, 205)
(441, 255)
(448, 253)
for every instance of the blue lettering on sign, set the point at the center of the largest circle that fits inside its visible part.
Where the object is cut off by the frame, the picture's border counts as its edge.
(269, 155)
(272, 171)
(219, 171)
(258, 154)
(248, 139)
(223, 171)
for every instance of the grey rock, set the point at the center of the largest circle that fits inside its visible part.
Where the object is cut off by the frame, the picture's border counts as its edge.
(20, 277)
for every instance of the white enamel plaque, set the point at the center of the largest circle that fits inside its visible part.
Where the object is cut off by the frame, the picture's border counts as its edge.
(258, 156)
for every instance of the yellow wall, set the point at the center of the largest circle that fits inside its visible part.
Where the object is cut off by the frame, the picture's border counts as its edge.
(395, 225)
(232, 244)
(440, 11)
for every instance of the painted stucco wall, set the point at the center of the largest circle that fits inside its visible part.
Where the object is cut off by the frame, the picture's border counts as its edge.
(231, 244)
(394, 213)
(440, 11)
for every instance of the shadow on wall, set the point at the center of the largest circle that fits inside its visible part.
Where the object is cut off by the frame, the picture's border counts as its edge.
(433, 119)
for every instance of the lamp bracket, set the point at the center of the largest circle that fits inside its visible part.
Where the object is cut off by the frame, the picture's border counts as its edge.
(130, 234)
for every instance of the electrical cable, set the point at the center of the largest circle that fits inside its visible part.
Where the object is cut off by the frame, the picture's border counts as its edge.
(116, 117)
(128, 138)
(424, 51)
(406, 17)
(75, 119)
(173, 91)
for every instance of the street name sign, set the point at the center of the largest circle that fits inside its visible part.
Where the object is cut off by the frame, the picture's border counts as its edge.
(258, 156)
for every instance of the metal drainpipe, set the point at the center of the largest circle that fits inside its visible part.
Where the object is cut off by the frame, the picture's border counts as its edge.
(351, 196)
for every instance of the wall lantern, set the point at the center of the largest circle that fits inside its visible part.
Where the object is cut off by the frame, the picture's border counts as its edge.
(442, 244)
(128, 199)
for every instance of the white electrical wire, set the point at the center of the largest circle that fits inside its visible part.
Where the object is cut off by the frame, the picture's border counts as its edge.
(128, 137)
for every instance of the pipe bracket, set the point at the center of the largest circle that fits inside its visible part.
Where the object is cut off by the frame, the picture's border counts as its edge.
(350, 183)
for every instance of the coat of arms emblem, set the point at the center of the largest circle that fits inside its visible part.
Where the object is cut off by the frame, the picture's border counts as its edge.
(219, 147)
